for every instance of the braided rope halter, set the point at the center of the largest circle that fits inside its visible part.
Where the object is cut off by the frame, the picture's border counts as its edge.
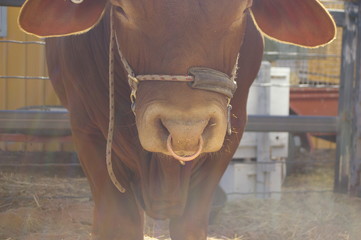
(197, 78)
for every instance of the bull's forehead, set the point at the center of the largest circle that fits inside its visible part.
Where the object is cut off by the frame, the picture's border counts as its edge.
(182, 33)
(175, 15)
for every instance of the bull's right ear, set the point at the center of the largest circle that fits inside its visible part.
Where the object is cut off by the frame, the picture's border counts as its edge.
(52, 18)
(301, 22)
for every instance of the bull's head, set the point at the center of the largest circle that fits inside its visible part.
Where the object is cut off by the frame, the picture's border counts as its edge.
(169, 37)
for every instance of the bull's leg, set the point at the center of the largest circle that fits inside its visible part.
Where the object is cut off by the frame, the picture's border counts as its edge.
(193, 224)
(116, 215)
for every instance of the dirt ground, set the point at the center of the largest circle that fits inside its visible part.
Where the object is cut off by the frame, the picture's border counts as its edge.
(40, 206)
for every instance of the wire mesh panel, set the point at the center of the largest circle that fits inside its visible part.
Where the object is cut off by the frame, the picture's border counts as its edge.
(314, 80)
(23, 76)
(312, 67)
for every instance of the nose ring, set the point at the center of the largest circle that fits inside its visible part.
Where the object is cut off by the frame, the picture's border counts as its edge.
(184, 158)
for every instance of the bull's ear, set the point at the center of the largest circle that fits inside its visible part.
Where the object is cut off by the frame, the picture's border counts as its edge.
(50, 18)
(301, 22)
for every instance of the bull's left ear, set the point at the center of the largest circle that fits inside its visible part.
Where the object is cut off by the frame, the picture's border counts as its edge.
(52, 18)
(301, 22)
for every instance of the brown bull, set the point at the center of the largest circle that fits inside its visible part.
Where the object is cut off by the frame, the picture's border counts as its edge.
(172, 119)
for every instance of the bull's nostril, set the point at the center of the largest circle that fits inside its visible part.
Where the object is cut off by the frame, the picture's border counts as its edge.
(164, 132)
(210, 128)
(211, 123)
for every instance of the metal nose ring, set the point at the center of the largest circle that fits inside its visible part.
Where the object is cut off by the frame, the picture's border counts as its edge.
(186, 158)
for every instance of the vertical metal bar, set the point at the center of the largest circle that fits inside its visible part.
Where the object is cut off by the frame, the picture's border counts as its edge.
(3, 67)
(355, 164)
(347, 85)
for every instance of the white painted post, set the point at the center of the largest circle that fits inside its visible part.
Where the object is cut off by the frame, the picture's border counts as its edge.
(263, 169)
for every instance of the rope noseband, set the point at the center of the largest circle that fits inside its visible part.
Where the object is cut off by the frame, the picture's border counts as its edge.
(198, 77)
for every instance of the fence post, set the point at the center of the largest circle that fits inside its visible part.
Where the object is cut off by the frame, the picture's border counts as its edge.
(348, 159)
(263, 171)
(355, 165)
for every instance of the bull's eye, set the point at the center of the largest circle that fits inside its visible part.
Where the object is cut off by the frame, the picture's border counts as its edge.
(121, 11)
